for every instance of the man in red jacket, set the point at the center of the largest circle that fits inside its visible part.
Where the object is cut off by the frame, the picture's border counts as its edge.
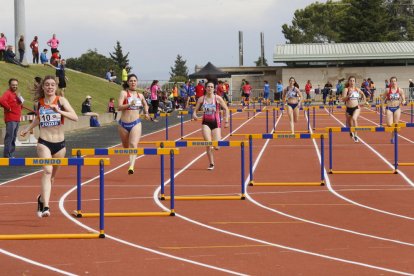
(12, 103)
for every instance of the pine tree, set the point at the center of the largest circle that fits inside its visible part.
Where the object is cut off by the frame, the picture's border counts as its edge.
(180, 70)
(118, 56)
(258, 62)
(366, 20)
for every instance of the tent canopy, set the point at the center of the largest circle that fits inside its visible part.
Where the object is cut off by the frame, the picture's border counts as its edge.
(209, 72)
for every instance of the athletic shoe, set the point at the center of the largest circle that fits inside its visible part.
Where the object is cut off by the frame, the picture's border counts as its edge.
(46, 212)
(356, 140)
(39, 207)
(211, 167)
(351, 134)
(131, 170)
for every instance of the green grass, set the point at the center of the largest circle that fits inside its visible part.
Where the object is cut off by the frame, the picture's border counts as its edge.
(78, 86)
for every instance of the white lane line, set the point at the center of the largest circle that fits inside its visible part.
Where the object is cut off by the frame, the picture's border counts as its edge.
(54, 269)
(381, 157)
(68, 216)
(158, 202)
(65, 213)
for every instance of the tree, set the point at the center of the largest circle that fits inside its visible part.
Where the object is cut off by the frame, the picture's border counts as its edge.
(118, 56)
(317, 23)
(402, 19)
(92, 63)
(258, 62)
(366, 20)
(180, 71)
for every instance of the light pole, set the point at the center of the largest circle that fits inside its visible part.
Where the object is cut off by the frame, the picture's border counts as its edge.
(19, 25)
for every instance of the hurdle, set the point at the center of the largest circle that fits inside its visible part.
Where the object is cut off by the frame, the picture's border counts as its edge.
(241, 144)
(128, 151)
(363, 128)
(286, 136)
(400, 125)
(101, 162)
(181, 113)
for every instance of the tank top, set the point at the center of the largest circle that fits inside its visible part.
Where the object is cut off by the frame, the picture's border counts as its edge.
(47, 116)
(211, 110)
(291, 93)
(134, 102)
(353, 95)
(393, 96)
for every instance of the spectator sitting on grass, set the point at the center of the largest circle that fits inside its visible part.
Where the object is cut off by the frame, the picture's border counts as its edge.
(110, 76)
(10, 57)
(86, 107)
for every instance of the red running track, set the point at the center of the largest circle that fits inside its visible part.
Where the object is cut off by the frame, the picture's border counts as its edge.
(356, 224)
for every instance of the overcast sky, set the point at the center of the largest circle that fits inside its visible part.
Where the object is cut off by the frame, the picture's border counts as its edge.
(155, 31)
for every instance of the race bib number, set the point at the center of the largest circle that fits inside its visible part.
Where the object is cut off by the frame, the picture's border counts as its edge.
(135, 103)
(49, 118)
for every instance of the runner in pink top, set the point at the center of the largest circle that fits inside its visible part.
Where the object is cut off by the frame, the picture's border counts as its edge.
(210, 104)
(53, 43)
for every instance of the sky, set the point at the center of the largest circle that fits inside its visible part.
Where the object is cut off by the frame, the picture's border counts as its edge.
(154, 32)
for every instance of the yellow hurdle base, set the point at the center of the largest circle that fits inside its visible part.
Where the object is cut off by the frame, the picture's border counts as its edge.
(363, 172)
(239, 197)
(288, 131)
(287, 184)
(125, 214)
(193, 138)
(51, 236)
(405, 164)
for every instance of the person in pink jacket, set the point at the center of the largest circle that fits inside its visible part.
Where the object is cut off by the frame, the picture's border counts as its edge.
(3, 42)
(53, 43)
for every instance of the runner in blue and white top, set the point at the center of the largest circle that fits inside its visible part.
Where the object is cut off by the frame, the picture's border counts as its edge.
(293, 99)
(351, 95)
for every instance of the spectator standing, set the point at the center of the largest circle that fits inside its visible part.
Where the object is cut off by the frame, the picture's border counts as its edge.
(22, 48)
(266, 92)
(53, 43)
(327, 90)
(51, 143)
(3, 43)
(61, 77)
(411, 88)
(183, 96)
(339, 89)
(155, 101)
(124, 76)
(12, 103)
(279, 90)
(247, 89)
(43, 57)
(199, 90)
(308, 87)
(111, 108)
(372, 89)
(226, 92)
(175, 95)
(35, 50)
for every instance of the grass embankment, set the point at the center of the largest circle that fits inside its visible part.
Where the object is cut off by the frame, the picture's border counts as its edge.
(78, 86)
